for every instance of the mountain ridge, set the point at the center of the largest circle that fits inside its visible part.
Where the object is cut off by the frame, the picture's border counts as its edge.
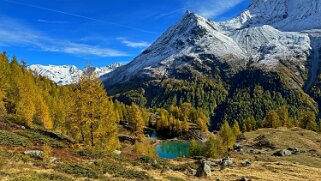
(242, 67)
(68, 74)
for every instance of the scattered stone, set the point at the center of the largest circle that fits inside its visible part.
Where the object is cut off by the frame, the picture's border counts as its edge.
(246, 163)
(264, 144)
(155, 162)
(257, 152)
(190, 171)
(117, 152)
(34, 153)
(204, 170)
(19, 127)
(294, 150)
(52, 160)
(238, 147)
(282, 153)
(244, 179)
(225, 162)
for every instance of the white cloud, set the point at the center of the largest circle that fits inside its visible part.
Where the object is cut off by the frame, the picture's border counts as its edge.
(141, 44)
(211, 8)
(13, 33)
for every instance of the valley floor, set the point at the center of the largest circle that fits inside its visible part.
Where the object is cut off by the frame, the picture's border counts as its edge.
(61, 161)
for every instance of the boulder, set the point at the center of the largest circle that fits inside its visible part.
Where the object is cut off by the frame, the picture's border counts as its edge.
(34, 153)
(225, 162)
(294, 150)
(204, 170)
(283, 152)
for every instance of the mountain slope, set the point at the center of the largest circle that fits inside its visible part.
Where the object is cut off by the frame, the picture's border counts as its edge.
(237, 69)
(191, 40)
(68, 74)
(285, 15)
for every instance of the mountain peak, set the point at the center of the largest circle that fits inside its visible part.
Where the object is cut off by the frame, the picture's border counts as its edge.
(285, 15)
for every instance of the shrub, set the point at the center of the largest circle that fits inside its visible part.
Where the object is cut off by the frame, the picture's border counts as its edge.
(120, 171)
(42, 177)
(40, 137)
(12, 139)
(80, 170)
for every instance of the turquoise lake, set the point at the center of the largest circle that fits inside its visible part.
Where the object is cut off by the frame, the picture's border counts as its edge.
(172, 149)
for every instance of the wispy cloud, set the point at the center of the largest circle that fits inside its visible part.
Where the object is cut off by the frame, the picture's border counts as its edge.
(212, 8)
(79, 16)
(141, 44)
(51, 21)
(14, 33)
(170, 13)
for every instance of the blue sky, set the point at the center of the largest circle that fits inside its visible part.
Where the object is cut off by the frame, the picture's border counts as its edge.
(95, 32)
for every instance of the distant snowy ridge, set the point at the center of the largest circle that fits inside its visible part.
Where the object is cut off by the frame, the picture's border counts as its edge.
(68, 74)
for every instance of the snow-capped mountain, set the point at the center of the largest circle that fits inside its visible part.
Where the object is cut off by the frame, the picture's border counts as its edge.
(68, 74)
(270, 35)
(285, 15)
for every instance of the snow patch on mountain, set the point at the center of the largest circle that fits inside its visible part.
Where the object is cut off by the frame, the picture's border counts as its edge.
(285, 15)
(193, 36)
(68, 74)
(267, 45)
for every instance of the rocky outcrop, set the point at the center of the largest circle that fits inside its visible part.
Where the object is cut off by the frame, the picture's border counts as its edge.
(204, 170)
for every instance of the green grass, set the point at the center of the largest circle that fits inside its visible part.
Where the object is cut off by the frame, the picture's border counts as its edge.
(99, 168)
(80, 170)
(39, 136)
(170, 178)
(42, 177)
(118, 170)
(11, 139)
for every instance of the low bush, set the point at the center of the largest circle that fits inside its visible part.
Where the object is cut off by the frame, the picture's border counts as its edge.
(12, 139)
(42, 177)
(120, 171)
(80, 170)
(40, 137)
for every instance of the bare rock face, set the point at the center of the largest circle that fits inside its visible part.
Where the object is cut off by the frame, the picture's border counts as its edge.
(204, 170)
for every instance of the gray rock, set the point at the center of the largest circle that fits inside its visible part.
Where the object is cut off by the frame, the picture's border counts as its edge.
(190, 171)
(117, 152)
(283, 152)
(246, 163)
(204, 170)
(34, 153)
(225, 162)
(294, 150)
(244, 179)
